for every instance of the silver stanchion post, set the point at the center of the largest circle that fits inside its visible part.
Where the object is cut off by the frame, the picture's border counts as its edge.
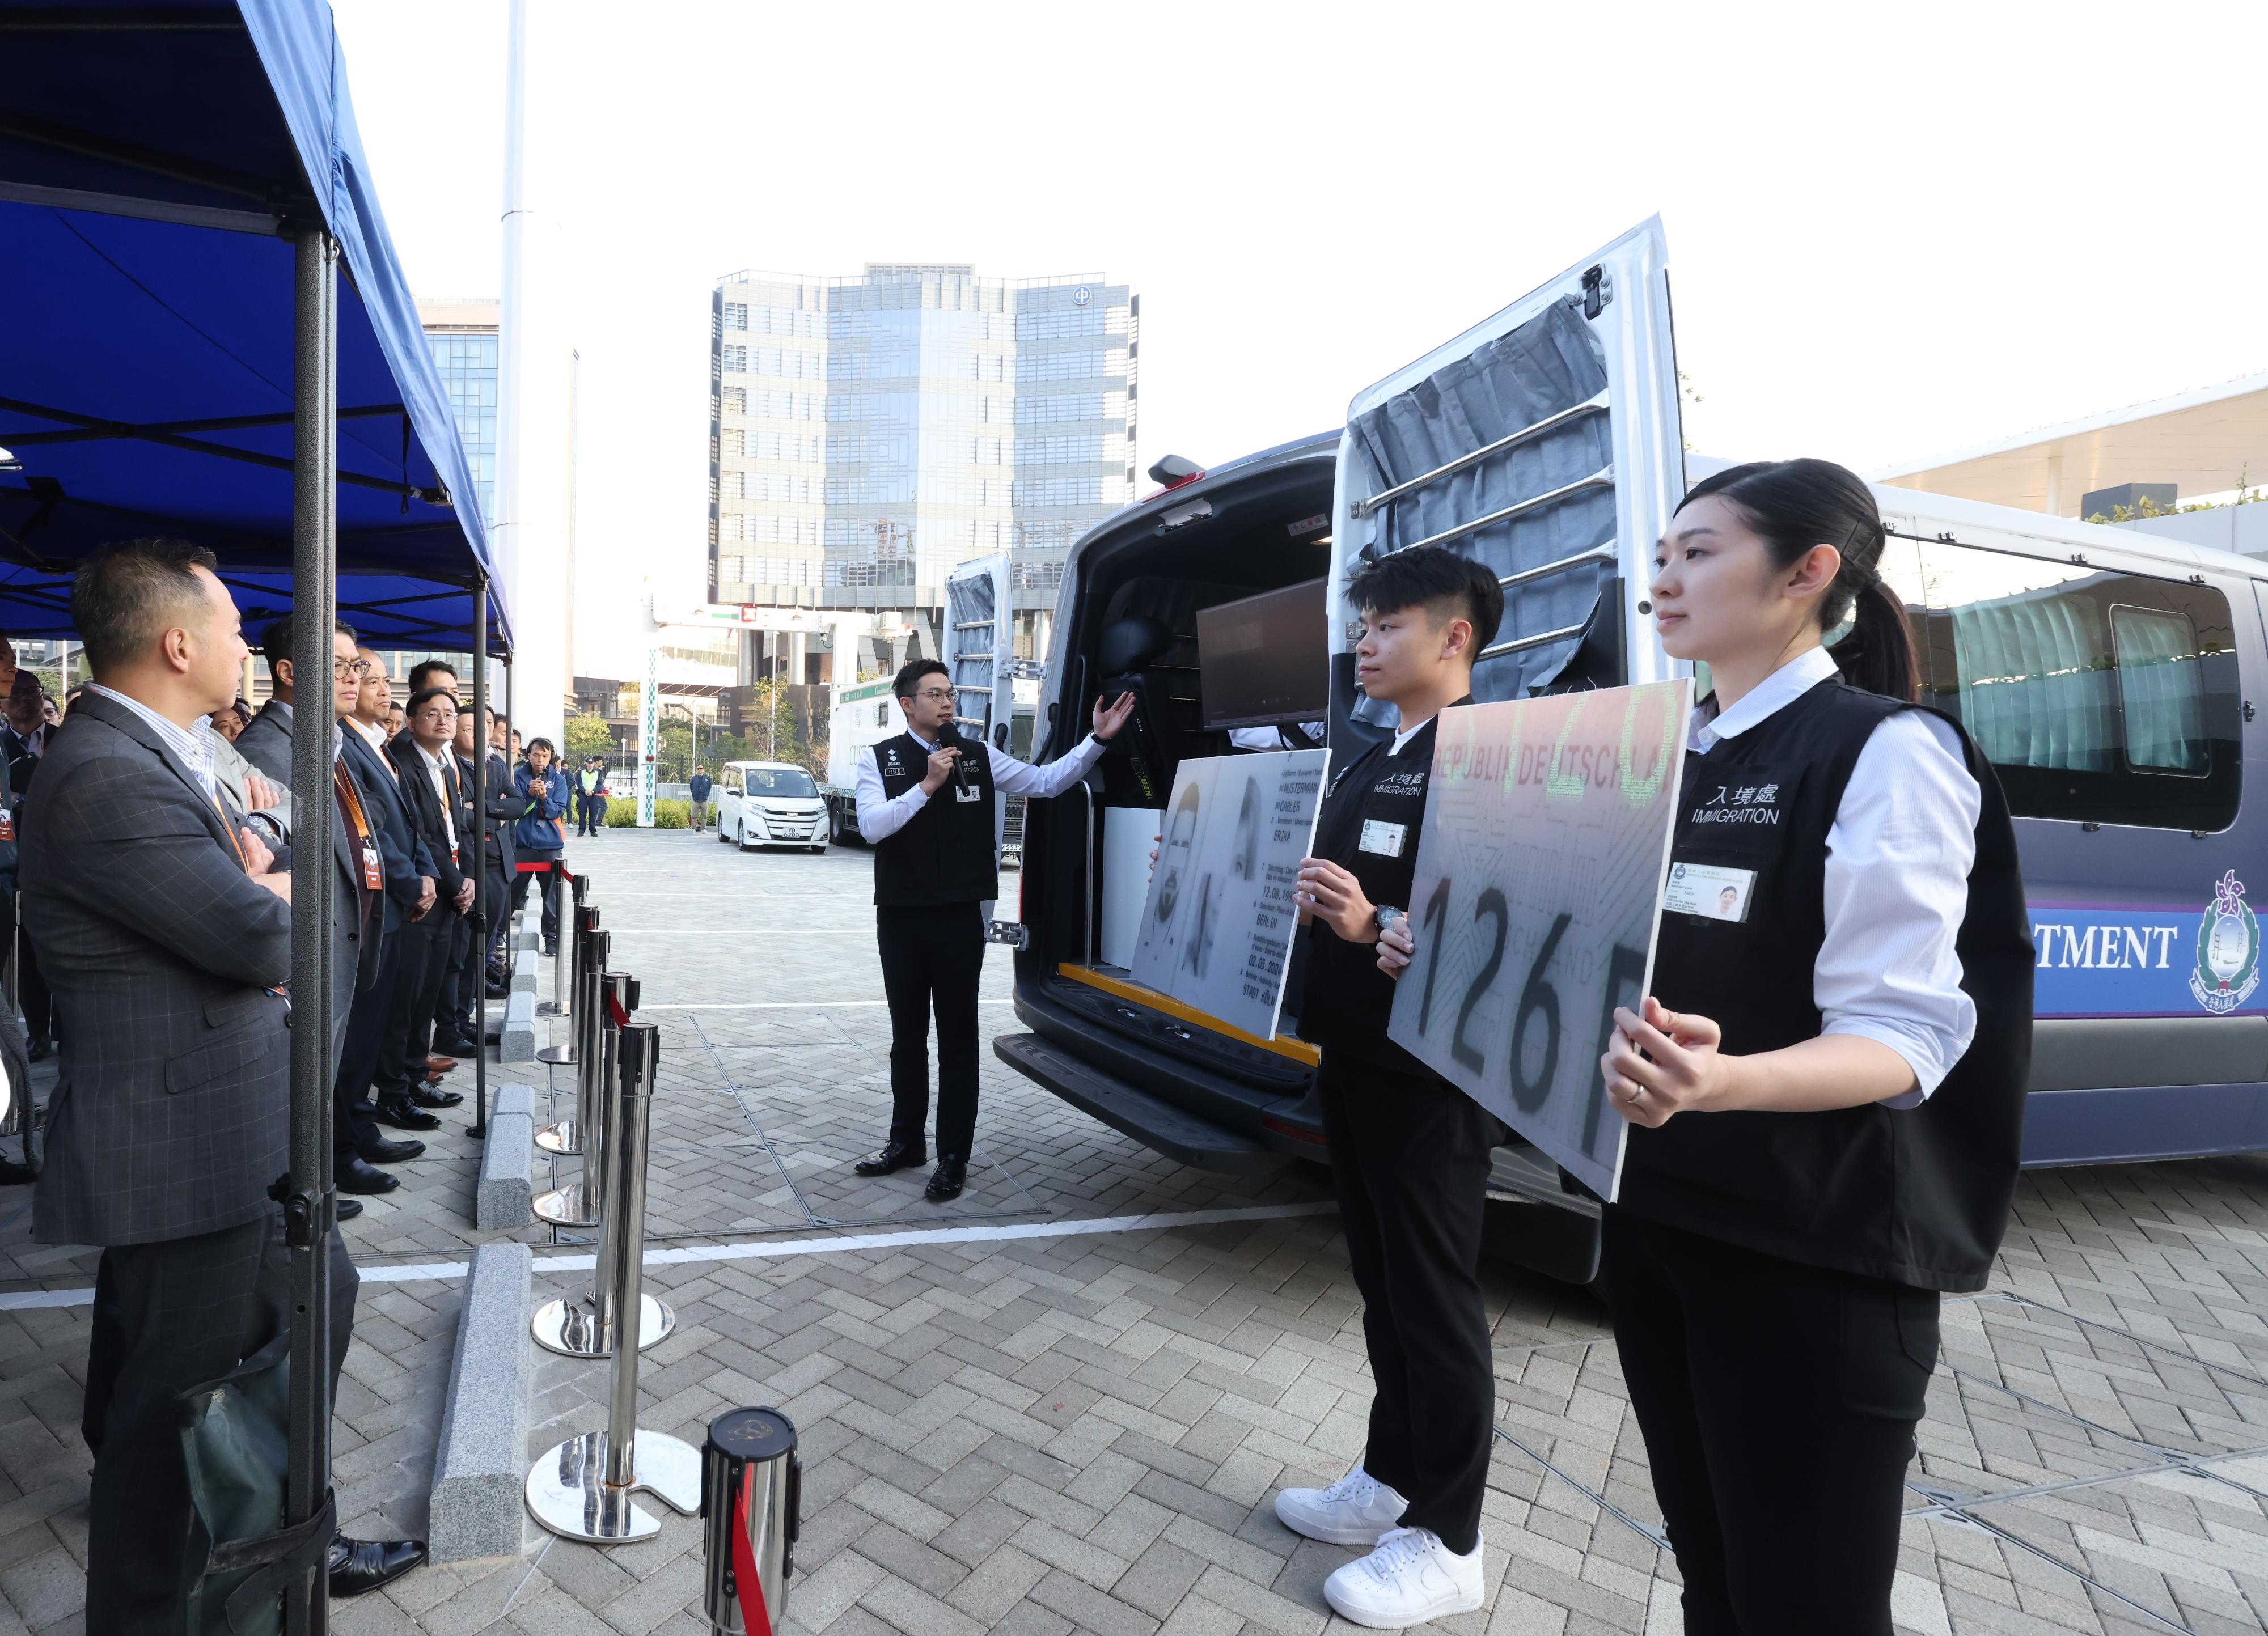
(585, 1328)
(752, 1514)
(579, 1203)
(581, 1489)
(561, 1003)
(569, 1053)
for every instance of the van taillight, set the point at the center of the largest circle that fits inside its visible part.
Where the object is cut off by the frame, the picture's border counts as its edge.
(1297, 1132)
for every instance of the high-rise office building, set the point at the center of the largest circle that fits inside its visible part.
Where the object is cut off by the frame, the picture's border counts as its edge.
(463, 336)
(868, 433)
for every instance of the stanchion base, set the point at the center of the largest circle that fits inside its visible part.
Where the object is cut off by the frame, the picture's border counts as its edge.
(563, 1207)
(560, 1138)
(570, 1328)
(556, 1056)
(568, 1492)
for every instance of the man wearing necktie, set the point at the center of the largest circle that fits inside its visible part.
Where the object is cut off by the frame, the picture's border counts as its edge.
(423, 755)
(165, 930)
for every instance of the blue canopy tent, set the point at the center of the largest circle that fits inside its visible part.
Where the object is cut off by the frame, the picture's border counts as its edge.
(179, 184)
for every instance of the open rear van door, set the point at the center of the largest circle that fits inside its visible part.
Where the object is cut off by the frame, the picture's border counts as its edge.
(1545, 443)
(980, 643)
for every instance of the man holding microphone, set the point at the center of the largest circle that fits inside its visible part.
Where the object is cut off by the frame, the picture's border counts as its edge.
(926, 805)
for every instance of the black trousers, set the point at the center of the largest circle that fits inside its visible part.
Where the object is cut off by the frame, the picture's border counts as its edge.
(168, 1317)
(1410, 1161)
(452, 1011)
(1778, 1404)
(931, 957)
(551, 887)
(425, 957)
(353, 1122)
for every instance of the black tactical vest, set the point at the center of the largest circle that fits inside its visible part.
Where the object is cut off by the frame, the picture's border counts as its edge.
(945, 854)
(1918, 1195)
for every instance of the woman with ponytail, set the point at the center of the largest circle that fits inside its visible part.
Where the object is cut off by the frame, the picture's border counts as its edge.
(1825, 1087)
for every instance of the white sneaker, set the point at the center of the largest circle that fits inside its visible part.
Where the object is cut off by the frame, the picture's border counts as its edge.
(1355, 1510)
(1410, 1578)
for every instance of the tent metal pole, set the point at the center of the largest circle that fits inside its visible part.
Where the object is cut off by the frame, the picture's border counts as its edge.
(308, 1210)
(485, 907)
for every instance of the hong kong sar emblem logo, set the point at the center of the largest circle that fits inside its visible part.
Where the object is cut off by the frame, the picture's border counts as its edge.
(2228, 967)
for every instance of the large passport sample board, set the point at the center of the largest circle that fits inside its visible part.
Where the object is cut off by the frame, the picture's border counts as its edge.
(1539, 869)
(1216, 927)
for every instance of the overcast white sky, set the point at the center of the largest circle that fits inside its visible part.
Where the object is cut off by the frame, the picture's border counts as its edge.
(1895, 230)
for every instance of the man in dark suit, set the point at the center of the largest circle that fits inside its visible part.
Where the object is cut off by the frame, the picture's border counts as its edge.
(165, 932)
(504, 856)
(424, 758)
(359, 1146)
(457, 1026)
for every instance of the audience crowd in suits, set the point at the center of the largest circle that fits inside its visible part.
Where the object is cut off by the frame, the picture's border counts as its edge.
(145, 833)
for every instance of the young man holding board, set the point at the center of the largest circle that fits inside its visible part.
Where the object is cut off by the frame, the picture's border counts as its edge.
(1409, 1151)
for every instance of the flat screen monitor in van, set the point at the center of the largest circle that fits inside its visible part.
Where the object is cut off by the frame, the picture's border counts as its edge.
(1266, 660)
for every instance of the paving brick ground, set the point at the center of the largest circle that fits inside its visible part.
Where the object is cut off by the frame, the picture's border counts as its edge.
(1083, 1432)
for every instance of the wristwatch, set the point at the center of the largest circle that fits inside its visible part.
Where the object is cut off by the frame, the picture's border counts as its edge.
(1385, 916)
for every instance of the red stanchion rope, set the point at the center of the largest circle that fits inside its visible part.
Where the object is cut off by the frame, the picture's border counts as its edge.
(755, 1618)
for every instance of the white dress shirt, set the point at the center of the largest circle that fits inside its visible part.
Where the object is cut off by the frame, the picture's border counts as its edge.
(441, 794)
(1898, 857)
(192, 745)
(879, 818)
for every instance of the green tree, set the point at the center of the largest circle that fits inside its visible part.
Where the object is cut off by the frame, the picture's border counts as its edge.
(771, 731)
(587, 735)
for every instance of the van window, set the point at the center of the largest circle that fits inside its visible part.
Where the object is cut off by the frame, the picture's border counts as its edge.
(781, 781)
(731, 780)
(2096, 695)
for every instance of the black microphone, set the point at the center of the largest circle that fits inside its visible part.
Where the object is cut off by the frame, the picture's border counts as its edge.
(948, 738)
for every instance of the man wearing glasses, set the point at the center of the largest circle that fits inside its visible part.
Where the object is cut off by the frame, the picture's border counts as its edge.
(925, 806)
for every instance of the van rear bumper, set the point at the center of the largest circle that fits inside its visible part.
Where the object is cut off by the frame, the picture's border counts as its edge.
(1156, 1123)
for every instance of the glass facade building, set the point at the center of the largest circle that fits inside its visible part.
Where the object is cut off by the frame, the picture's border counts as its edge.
(463, 337)
(868, 433)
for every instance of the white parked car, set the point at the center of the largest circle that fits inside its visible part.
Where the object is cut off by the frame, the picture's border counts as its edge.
(769, 804)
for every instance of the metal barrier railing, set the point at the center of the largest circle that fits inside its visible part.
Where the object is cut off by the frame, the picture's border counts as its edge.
(576, 1203)
(561, 1003)
(586, 1327)
(562, 1138)
(582, 1488)
(752, 1514)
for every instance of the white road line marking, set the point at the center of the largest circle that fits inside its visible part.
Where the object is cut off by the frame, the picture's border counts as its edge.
(28, 1300)
(780, 1005)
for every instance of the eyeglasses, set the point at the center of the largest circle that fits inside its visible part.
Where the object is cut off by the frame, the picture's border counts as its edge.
(943, 695)
(351, 667)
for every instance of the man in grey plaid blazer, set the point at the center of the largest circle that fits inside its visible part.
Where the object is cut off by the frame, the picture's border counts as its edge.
(165, 930)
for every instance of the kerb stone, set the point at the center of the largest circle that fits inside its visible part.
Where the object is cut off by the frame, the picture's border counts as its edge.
(480, 1471)
(507, 1184)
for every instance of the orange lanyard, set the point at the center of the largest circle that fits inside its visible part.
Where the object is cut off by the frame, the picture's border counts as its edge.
(234, 845)
(353, 799)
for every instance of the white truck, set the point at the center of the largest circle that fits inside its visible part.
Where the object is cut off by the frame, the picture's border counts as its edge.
(979, 648)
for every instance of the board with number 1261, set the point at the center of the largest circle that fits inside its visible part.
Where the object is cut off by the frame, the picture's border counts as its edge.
(1540, 869)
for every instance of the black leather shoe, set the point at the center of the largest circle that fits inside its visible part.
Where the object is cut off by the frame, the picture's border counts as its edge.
(400, 1113)
(946, 1181)
(426, 1097)
(378, 1150)
(456, 1045)
(347, 1209)
(361, 1566)
(893, 1155)
(358, 1175)
(40, 1050)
